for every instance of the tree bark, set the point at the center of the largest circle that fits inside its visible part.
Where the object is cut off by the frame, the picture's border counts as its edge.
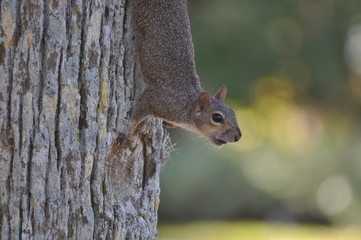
(68, 83)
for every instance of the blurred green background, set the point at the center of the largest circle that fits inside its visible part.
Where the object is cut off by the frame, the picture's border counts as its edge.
(293, 71)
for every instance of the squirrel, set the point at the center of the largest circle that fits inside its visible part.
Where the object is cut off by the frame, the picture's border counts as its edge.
(172, 90)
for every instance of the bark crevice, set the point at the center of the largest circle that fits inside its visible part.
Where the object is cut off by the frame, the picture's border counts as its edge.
(43, 39)
(82, 90)
(58, 112)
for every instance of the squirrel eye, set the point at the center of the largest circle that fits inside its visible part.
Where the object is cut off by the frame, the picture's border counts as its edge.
(217, 118)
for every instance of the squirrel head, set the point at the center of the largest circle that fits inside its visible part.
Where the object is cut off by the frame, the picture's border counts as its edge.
(214, 119)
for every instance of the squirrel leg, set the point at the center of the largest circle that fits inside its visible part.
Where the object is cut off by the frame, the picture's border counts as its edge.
(133, 126)
(136, 120)
(168, 124)
(142, 111)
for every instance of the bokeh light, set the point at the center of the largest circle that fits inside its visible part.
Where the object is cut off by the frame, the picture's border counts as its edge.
(353, 48)
(334, 195)
(253, 128)
(284, 36)
(268, 171)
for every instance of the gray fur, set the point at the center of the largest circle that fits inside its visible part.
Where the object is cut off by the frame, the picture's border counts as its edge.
(172, 87)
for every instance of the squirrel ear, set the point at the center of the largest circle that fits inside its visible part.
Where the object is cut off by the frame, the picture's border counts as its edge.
(202, 102)
(221, 94)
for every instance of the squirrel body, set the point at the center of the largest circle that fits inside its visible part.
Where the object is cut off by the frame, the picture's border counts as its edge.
(172, 90)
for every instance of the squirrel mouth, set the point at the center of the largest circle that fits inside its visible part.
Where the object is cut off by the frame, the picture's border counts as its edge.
(218, 142)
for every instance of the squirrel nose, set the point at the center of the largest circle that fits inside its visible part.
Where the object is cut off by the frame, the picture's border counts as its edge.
(238, 135)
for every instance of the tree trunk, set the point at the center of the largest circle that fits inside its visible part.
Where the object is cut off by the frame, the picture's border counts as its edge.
(68, 84)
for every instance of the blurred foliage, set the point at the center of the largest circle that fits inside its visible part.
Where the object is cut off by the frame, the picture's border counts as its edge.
(254, 231)
(293, 70)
